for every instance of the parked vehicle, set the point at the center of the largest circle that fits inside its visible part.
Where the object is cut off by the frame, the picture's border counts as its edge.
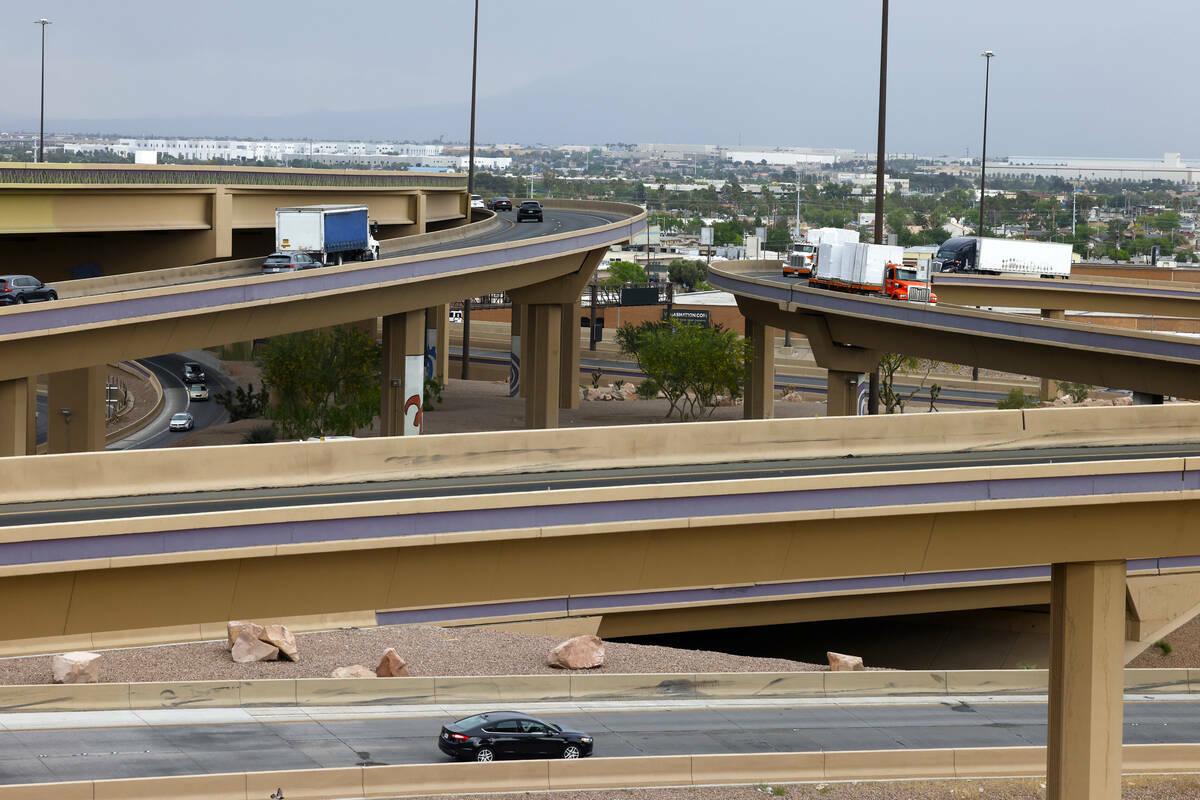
(869, 269)
(329, 233)
(803, 255)
(181, 422)
(18, 289)
(197, 391)
(193, 372)
(288, 262)
(500, 204)
(529, 209)
(510, 734)
(1003, 257)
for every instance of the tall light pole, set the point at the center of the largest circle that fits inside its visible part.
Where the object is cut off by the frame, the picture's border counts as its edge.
(880, 186)
(42, 125)
(466, 337)
(987, 75)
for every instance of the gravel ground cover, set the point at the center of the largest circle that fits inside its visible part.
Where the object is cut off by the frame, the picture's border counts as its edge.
(428, 650)
(1141, 787)
(1184, 650)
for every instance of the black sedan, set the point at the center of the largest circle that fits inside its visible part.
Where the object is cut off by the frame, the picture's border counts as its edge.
(500, 204)
(509, 734)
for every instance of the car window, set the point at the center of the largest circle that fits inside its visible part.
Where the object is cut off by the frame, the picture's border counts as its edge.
(505, 726)
(278, 260)
(470, 722)
(529, 726)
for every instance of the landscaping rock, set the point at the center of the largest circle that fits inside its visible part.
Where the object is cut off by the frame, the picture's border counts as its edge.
(248, 649)
(235, 627)
(76, 667)
(391, 665)
(282, 638)
(839, 662)
(352, 671)
(580, 652)
(1124, 400)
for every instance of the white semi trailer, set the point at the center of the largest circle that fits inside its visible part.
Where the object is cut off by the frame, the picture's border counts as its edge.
(1004, 257)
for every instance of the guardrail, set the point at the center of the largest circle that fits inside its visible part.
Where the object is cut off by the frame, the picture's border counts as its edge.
(660, 687)
(376, 459)
(407, 780)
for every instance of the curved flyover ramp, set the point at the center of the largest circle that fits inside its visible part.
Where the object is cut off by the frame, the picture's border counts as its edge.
(849, 331)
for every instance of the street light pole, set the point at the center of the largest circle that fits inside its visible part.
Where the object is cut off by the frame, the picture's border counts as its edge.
(873, 379)
(987, 76)
(42, 124)
(466, 334)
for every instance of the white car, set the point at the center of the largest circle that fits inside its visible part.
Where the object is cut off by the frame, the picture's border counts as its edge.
(477, 201)
(182, 422)
(198, 391)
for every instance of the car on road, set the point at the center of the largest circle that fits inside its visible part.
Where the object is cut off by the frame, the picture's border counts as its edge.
(530, 209)
(477, 201)
(182, 422)
(18, 289)
(197, 391)
(193, 372)
(500, 204)
(289, 262)
(510, 734)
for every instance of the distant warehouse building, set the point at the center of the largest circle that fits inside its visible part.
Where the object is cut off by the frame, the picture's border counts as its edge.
(1170, 167)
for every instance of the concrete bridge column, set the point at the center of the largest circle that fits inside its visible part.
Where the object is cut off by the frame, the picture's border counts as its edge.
(516, 327)
(1049, 387)
(842, 394)
(403, 374)
(14, 417)
(420, 215)
(759, 402)
(568, 395)
(1087, 617)
(76, 410)
(542, 365)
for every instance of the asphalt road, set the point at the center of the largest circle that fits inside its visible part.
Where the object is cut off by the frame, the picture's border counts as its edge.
(164, 747)
(240, 499)
(169, 371)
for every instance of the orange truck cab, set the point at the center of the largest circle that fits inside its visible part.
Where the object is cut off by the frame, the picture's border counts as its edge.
(901, 283)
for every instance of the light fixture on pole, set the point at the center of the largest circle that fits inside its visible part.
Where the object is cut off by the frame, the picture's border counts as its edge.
(42, 125)
(466, 332)
(987, 75)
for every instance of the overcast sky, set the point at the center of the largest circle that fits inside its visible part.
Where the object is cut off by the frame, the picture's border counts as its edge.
(1070, 77)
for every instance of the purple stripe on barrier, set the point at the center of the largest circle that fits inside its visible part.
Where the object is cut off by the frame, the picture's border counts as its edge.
(252, 290)
(918, 314)
(1058, 287)
(553, 605)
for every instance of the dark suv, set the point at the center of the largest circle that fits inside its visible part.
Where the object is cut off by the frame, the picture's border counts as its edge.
(500, 204)
(530, 209)
(193, 372)
(16, 289)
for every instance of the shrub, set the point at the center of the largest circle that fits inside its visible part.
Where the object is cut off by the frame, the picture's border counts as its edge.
(260, 434)
(1017, 399)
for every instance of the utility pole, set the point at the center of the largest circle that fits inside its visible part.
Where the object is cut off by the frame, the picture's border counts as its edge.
(987, 76)
(42, 124)
(466, 337)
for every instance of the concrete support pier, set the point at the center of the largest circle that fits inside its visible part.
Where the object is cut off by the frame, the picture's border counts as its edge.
(76, 410)
(403, 379)
(543, 366)
(14, 417)
(759, 402)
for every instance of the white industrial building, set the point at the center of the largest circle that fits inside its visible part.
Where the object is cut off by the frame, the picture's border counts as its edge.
(1170, 167)
(253, 150)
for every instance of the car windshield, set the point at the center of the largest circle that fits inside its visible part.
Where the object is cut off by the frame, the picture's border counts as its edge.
(197, 387)
(179, 418)
(903, 274)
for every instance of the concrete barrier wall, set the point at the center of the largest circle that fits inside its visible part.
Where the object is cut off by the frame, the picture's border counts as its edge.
(59, 477)
(410, 780)
(446, 690)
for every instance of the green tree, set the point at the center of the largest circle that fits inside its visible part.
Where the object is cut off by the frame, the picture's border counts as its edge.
(1016, 399)
(727, 233)
(778, 238)
(690, 364)
(326, 382)
(622, 272)
(687, 273)
(893, 400)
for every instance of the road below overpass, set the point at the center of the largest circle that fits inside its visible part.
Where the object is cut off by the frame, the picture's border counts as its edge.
(279, 497)
(98, 745)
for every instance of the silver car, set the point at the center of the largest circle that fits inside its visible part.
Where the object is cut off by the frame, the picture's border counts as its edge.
(182, 422)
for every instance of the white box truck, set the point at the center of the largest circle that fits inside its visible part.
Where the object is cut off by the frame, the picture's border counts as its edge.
(803, 255)
(330, 233)
(869, 269)
(1004, 257)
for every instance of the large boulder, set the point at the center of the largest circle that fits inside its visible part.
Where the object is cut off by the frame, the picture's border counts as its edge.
(248, 649)
(352, 671)
(234, 628)
(1123, 400)
(76, 667)
(839, 662)
(281, 637)
(391, 665)
(580, 652)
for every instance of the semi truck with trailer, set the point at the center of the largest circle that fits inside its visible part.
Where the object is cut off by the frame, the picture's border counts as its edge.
(330, 233)
(981, 254)
(876, 269)
(803, 255)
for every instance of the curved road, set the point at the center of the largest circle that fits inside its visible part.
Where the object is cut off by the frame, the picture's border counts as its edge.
(240, 499)
(57, 747)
